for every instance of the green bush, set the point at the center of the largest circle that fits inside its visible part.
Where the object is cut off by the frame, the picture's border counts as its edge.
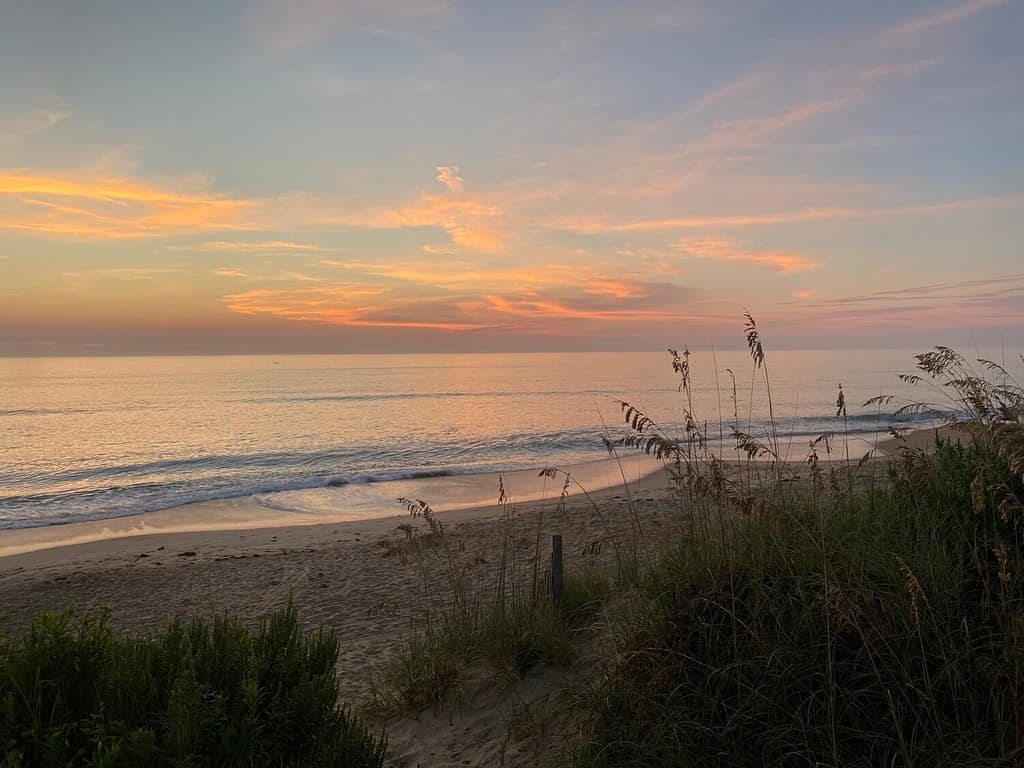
(75, 693)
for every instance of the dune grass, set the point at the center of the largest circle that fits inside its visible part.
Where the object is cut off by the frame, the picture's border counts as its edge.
(809, 613)
(499, 614)
(75, 693)
(808, 620)
(884, 628)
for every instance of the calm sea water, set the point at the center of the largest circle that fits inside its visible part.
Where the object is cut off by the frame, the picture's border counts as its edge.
(88, 438)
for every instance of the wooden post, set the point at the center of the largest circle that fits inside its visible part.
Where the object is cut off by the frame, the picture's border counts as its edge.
(556, 571)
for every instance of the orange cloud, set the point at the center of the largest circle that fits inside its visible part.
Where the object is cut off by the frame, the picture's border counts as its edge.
(724, 249)
(459, 274)
(91, 207)
(250, 247)
(345, 304)
(84, 207)
(472, 275)
(229, 272)
(469, 220)
(559, 301)
(549, 309)
(620, 289)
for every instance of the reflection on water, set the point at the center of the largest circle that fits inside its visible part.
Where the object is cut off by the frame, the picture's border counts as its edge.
(87, 438)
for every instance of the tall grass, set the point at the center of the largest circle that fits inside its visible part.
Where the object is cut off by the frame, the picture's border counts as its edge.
(75, 693)
(807, 613)
(473, 609)
(822, 622)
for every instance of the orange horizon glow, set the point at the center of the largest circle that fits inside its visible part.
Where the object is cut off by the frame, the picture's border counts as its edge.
(546, 182)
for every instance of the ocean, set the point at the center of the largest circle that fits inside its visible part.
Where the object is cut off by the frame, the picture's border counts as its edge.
(89, 438)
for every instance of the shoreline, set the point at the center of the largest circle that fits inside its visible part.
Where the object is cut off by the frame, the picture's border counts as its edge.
(338, 575)
(370, 504)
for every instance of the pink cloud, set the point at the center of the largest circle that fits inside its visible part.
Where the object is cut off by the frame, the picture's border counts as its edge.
(725, 249)
(941, 18)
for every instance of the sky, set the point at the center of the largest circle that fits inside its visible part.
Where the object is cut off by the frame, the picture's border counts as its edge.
(435, 175)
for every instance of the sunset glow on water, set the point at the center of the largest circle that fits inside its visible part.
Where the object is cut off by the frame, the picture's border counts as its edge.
(309, 244)
(92, 438)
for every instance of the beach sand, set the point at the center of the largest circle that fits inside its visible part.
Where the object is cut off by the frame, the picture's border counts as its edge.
(336, 574)
(147, 571)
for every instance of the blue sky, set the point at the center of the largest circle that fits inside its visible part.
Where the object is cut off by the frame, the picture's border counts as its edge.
(318, 175)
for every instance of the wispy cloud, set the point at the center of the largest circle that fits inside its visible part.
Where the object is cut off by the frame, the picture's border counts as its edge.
(955, 289)
(619, 289)
(464, 275)
(726, 93)
(662, 161)
(853, 87)
(939, 18)
(449, 176)
(248, 247)
(726, 249)
(996, 302)
(549, 309)
(89, 207)
(19, 128)
(229, 272)
(594, 226)
(471, 221)
(437, 250)
(339, 304)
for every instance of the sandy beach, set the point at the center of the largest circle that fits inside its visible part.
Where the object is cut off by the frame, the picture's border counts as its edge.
(335, 571)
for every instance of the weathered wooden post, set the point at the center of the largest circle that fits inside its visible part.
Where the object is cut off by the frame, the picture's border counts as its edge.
(556, 571)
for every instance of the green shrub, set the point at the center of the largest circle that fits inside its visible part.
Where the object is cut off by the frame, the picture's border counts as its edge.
(75, 693)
